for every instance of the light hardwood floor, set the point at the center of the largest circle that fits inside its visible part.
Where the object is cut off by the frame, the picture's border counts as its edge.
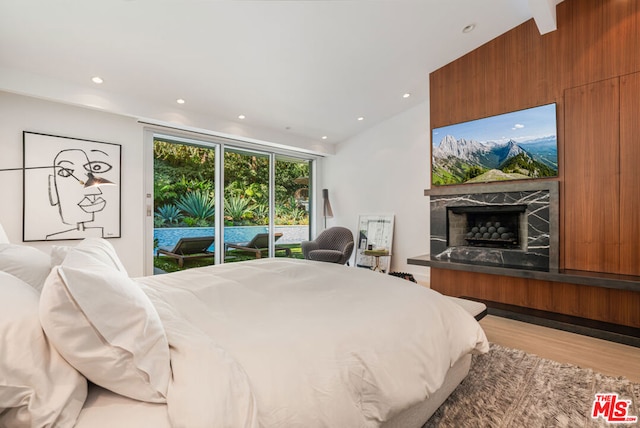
(606, 357)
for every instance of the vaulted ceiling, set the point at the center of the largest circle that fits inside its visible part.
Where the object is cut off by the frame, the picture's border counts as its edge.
(295, 70)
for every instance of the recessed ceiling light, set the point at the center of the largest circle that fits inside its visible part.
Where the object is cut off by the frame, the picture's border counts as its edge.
(324, 137)
(97, 80)
(407, 95)
(361, 118)
(469, 28)
(242, 116)
(180, 101)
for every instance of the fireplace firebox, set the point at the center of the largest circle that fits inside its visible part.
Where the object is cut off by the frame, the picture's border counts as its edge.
(491, 226)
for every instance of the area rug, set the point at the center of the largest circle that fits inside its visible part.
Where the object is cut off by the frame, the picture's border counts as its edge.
(510, 388)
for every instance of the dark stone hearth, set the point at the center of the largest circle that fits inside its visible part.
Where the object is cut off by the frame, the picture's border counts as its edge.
(494, 257)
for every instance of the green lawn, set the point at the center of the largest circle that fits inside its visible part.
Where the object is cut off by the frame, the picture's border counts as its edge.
(171, 265)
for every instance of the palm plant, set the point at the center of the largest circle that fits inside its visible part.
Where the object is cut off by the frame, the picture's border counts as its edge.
(298, 214)
(168, 213)
(261, 213)
(236, 207)
(198, 204)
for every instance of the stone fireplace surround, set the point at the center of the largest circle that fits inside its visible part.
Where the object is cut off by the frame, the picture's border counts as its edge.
(530, 190)
(552, 273)
(538, 247)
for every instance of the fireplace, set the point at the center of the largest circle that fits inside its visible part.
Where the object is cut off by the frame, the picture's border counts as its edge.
(492, 226)
(510, 225)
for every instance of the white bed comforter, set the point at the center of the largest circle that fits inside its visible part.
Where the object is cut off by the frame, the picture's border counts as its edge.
(293, 343)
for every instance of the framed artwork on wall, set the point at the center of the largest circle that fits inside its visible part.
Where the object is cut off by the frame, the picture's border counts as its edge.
(71, 188)
(374, 241)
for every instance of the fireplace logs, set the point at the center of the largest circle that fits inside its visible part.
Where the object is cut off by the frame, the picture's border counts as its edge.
(491, 233)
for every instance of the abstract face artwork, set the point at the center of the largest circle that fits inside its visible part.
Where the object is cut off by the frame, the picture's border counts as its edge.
(81, 179)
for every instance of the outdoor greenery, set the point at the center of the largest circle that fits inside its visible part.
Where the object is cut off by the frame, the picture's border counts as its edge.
(184, 191)
(168, 214)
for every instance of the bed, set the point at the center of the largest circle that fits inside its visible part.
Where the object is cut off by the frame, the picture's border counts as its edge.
(262, 343)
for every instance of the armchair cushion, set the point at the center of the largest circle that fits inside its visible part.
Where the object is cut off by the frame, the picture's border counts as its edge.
(332, 256)
(333, 245)
(307, 247)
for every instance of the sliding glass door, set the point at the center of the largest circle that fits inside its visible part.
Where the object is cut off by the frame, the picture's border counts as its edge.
(292, 203)
(184, 191)
(214, 202)
(266, 204)
(247, 211)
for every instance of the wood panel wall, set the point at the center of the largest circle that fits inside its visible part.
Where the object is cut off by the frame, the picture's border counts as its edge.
(595, 40)
(630, 175)
(586, 67)
(596, 303)
(591, 196)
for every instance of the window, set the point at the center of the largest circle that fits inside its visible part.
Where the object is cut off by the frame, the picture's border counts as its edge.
(259, 200)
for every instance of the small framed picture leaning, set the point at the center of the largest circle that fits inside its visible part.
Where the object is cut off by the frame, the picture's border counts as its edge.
(374, 242)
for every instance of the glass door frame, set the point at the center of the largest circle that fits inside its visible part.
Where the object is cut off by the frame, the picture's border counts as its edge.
(271, 198)
(219, 144)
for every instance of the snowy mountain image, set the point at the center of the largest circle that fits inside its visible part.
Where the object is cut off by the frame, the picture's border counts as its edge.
(524, 145)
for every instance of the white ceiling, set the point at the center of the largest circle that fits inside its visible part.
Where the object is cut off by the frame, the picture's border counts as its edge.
(298, 70)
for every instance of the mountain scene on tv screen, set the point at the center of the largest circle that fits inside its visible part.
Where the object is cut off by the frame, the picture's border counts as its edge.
(456, 161)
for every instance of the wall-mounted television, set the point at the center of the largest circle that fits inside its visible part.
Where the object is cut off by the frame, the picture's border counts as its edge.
(518, 145)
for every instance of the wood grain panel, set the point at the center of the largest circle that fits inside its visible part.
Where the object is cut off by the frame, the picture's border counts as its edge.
(455, 99)
(598, 38)
(526, 66)
(624, 307)
(591, 199)
(511, 72)
(595, 40)
(630, 174)
(597, 303)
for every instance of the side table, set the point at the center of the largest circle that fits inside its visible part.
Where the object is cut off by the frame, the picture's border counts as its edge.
(377, 254)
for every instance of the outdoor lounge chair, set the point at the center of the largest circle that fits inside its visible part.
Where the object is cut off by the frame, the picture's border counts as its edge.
(189, 248)
(258, 244)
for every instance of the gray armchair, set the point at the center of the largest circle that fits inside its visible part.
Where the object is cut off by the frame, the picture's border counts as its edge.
(333, 245)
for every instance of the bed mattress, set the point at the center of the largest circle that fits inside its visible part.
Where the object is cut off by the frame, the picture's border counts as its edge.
(298, 343)
(105, 409)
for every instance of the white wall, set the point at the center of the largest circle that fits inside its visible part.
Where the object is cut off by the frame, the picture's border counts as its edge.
(385, 170)
(19, 113)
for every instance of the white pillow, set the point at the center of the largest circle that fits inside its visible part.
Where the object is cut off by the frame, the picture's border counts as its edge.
(102, 250)
(37, 386)
(58, 254)
(99, 248)
(104, 325)
(4, 239)
(27, 263)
